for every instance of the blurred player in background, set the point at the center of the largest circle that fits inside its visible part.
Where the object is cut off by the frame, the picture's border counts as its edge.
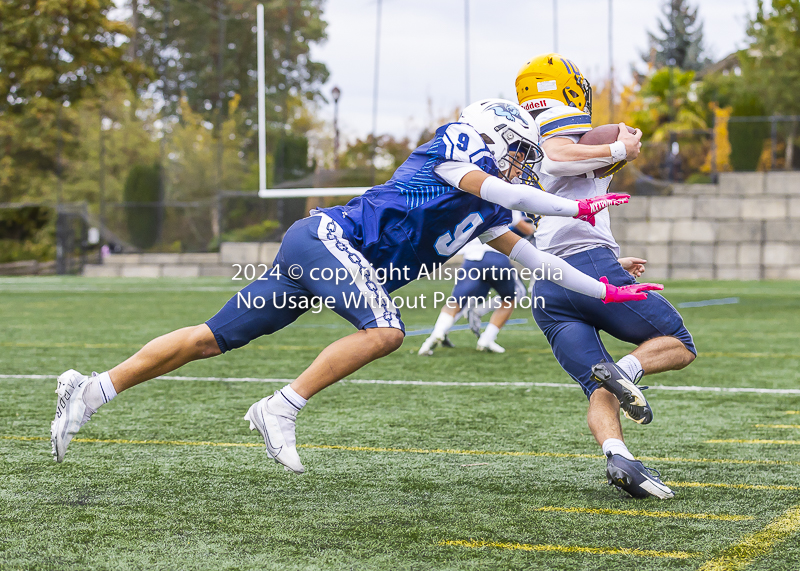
(558, 97)
(485, 268)
(450, 190)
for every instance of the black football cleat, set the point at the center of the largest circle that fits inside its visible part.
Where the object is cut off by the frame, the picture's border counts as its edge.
(631, 400)
(447, 343)
(636, 479)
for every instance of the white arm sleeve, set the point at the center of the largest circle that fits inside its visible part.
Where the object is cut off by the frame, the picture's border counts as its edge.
(524, 253)
(526, 198)
(453, 171)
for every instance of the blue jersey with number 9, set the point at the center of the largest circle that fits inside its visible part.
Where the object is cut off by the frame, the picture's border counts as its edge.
(417, 220)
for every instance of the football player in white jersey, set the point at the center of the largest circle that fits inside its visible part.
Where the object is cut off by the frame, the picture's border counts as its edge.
(552, 89)
(484, 268)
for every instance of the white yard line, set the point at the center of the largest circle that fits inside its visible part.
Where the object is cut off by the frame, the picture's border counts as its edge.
(448, 384)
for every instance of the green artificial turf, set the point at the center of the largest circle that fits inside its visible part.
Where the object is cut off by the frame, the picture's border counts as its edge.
(388, 481)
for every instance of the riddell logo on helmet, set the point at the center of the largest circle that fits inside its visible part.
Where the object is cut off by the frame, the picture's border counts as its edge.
(529, 105)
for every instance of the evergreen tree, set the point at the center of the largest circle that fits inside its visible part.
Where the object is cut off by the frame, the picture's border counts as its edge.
(770, 65)
(679, 39)
(52, 55)
(183, 40)
(144, 212)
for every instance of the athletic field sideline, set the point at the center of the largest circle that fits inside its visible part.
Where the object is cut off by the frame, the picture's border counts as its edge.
(463, 460)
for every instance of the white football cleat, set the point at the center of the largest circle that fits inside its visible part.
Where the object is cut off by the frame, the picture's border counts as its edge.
(429, 345)
(491, 347)
(70, 411)
(474, 322)
(276, 427)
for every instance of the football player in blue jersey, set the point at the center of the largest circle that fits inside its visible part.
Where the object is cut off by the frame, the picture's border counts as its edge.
(451, 189)
(558, 98)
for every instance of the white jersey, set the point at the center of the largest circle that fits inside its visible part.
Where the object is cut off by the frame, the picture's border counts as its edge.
(567, 236)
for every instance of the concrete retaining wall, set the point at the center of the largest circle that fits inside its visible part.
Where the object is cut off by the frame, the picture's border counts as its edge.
(168, 265)
(193, 265)
(746, 227)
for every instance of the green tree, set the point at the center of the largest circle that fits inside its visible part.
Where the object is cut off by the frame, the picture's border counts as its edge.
(771, 64)
(390, 153)
(734, 91)
(183, 41)
(104, 124)
(747, 138)
(53, 54)
(679, 39)
(667, 103)
(191, 149)
(56, 50)
(143, 187)
(186, 41)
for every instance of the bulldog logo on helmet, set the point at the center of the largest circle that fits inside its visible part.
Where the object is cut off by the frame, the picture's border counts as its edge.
(507, 112)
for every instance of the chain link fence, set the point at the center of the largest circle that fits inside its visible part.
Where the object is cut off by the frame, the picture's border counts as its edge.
(742, 144)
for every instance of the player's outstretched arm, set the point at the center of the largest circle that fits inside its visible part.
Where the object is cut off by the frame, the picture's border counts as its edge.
(525, 198)
(523, 252)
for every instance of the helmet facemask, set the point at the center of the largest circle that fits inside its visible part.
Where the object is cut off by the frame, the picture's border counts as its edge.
(587, 93)
(516, 165)
(509, 134)
(570, 95)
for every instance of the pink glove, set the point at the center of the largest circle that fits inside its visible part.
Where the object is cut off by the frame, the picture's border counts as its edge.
(588, 207)
(631, 292)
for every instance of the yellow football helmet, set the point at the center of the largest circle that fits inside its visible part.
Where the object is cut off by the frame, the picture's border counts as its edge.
(551, 80)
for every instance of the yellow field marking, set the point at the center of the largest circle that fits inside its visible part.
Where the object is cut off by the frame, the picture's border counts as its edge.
(718, 461)
(642, 513)
(792, 412)
(448, 451)
(734, 486)
(162, 442)
(743, 552)
(777, 425)
(424, 451)
(572, 549)
(755, 441)
(752, 355)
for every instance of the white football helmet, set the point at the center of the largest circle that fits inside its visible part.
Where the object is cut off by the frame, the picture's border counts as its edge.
(510, 134)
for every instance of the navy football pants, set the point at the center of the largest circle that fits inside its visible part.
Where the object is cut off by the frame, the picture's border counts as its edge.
(493, 271)
(572, 322)
(317, 246)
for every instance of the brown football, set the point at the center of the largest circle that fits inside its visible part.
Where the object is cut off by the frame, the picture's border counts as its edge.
(604, 135)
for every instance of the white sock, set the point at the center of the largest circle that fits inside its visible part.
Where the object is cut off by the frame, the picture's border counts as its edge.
(292, 398)
(99, 392)
(616, 446)
(631, 366)
(443, 324)
(489, 334)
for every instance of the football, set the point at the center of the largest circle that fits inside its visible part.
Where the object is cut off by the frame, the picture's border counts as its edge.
(604, 135)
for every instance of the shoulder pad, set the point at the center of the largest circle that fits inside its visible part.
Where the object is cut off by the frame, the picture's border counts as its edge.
(563, 120)
(461, 142)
